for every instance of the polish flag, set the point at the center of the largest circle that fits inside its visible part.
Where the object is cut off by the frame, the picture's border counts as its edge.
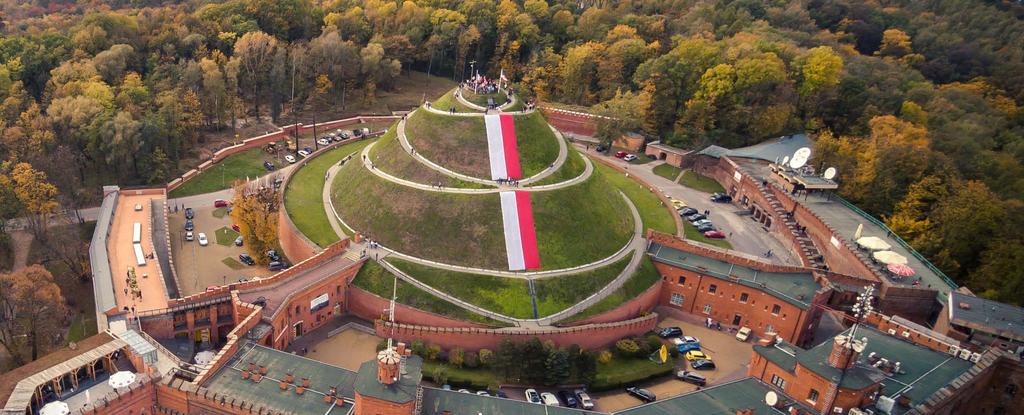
(501, 147)
(520, 235)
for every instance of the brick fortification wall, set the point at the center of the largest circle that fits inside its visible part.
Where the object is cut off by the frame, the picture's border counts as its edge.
(572, 122)
(372, 307)
(643, 303)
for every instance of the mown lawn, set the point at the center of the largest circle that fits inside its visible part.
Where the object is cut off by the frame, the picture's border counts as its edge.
(481, 99)
(538, 145)
(703, 183)
(461, 377)
(239, 166)
(389, 156)
(555, 294)
(374, 278)
(621, 372)
(667, 171)
(303, 198)
(640, 281)
(448, 100)
(692, 233)
(654, 214)
(572, 168)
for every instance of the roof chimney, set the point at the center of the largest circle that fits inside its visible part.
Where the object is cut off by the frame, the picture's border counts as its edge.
(845, 351)
(387, 366)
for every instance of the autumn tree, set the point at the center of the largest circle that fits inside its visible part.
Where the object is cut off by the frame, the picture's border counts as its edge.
(255, 211)
(36, 195)
(254, 51)
(32, 313)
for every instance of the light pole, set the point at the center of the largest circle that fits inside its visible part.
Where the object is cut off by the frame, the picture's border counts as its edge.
(861, 309)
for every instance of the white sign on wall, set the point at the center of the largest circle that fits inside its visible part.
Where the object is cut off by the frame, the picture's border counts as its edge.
(737, 176)
(834, 241)
(318, 302)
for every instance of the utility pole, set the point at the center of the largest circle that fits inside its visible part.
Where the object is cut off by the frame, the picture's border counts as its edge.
(295, 121)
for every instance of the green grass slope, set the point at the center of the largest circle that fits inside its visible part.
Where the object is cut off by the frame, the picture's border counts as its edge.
(652, 211)
(448, 100)
(640, 281)
(238, 166)
(389, 156)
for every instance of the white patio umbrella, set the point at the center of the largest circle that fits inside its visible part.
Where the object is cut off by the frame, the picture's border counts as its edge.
(873, 243)
(55, 408)
(860, 230)
(121, 379)
(204, 358)
(889, 257)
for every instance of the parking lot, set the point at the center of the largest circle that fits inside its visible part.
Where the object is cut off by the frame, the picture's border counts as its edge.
(198, 266)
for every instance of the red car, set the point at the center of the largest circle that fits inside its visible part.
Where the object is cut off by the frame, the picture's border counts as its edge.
(220, 203)
(714, 234)
(620, 154)
(235, 227)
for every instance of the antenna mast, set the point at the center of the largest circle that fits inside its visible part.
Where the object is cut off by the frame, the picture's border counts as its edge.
(391, 311)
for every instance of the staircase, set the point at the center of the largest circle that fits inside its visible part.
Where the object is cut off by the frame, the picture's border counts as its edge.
(419, 400)
(806, 249)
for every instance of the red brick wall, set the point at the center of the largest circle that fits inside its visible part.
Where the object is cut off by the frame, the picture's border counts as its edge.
(574, 122)
(294, 244)
(369, 406)
(286, 317)
(140, 399)
(798, 385)
(371, 307)
(593, 336)
(643, 303)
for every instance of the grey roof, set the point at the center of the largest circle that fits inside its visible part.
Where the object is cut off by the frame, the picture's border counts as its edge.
(770, 150)
(987, 316)
(400, 392)
(438, 401)
(794, 288)
(724, 399)
(99, 262)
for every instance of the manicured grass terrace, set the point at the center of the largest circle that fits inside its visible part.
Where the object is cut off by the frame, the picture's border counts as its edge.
(667, 171)
(238, 166)
(703, 183)
(640, 281)
(653, 212)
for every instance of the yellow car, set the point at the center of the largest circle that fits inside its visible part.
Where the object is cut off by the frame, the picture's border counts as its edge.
(678, 204)
(696, 355)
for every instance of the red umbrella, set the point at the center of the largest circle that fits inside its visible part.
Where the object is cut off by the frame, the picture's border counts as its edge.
(902, 270)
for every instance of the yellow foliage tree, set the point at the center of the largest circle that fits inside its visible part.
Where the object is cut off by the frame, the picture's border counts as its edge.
(255, 211)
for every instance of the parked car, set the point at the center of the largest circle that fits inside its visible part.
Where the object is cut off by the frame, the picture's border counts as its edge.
(357, 132)
(705, 227)
(235, 227)
(246, 259)
(601, 148)
(308, 149)
(696, 217)
(482, 393)
(702, 364)
(568, 398)
(714, 234)
(273, 255)
(211, 288)
(629, 157)
(189, 236)
(243, 279)
(304, 153)
(687, 211)
(700, 222)
(189, 213)
(324, 141)
(585, 401)
(691, 377)
(278, 265)
(670, 332)
(289, 158)
(686, 347)
(743, 334)
(642, 394)
(189, 226)
(343, 135)
(678, 204)
(696, 355)
(533, 396)
(501, 394)
(721, 198)
(620, 154)
(239, 241)
(549, 399)
(220, 203)
(202, 239)
(465, 391)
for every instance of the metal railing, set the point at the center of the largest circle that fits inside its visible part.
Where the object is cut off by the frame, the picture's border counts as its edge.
(928, 264)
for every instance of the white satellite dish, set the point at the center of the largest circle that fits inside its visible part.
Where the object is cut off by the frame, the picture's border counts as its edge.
(785, 161)
(800, 158)
(830, 173)
(771, 398)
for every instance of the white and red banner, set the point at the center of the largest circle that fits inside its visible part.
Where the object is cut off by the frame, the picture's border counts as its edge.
(520, 234)
(502, 148)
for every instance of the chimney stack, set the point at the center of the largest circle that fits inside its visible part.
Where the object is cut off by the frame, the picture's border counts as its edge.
(845, 351)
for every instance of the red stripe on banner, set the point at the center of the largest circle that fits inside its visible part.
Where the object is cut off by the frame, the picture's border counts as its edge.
(526, 230)
(508, 137)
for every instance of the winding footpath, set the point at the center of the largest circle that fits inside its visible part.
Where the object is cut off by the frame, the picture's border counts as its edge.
(462, 100)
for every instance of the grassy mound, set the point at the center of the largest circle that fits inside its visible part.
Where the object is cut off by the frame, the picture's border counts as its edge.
(511, 296)
(448, 100)
(654, 214)
(640, 281)
(389, 156)
(375, 279)
(481, 99)
(575, 226)
(460, 143)
(571, 169)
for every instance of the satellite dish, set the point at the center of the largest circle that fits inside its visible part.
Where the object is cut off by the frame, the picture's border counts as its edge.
(785, 161)
(771, 398)
(800, 158)
(830, 173)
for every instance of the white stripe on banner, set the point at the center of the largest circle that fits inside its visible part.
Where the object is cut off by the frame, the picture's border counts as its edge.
(513, 237)
(495, 147)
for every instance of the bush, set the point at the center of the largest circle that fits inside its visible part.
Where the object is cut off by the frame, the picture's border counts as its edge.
(486, 357)
(418, 348)
(381, 345)
(654, 342)
(433, 352)
(456, 357)
(604, 357)
(627, 348)
(472, 360)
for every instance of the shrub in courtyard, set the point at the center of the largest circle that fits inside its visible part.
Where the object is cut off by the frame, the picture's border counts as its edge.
(472, 360)
(433, 352)
(486, 357)
(604, 357)
(456, 357)
(418, 348)
(627, 348)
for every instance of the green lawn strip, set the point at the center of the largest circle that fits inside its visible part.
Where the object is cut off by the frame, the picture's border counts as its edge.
(457, 143)
(460, 229)
(446, 101)
(703, 183)
(517, 106)
(304, 196)
(555, 294)
(232, 263)
(537, 144)
(653, 212)
(82, 326)
(640, 281)
(667, 171)
(507, 296)
(238, 166)
(375, 279)
(621, 372)
(692, 233)
(460, 377)
(481, 99)
(572, 168)
(225, 236)
(389, 156)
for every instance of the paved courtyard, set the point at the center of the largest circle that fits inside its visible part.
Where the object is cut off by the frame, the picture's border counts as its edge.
(199, 267)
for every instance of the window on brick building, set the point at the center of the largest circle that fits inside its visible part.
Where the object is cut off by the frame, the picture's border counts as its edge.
(776, 309)
(677, 299)
(769, 329)
(712, 288)
(780, 382)
(297, 310)
(682, 280)
(744, 297)
(707, 308)
(812, 397)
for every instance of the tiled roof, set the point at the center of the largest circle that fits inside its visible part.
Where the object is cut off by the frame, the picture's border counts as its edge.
(987, 316)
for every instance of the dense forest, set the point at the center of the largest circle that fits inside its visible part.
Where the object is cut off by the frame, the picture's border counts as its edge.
(916, 102)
